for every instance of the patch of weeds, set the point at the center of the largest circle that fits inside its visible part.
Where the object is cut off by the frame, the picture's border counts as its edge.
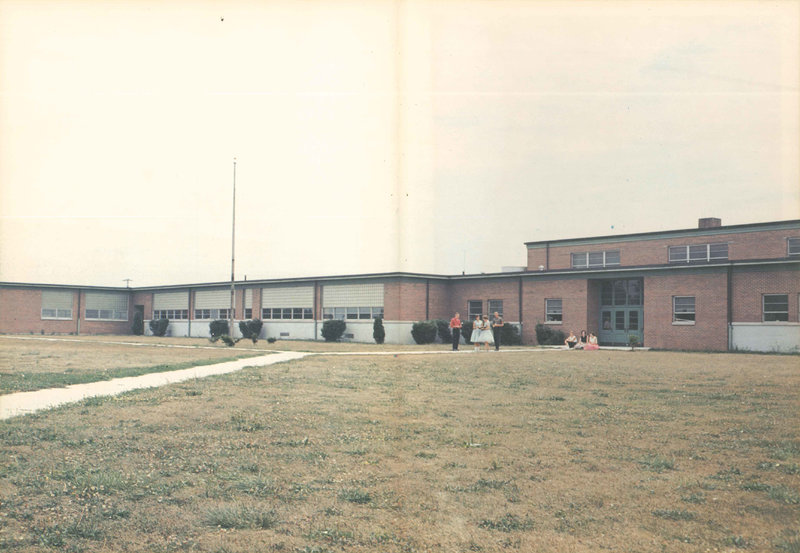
(556, 398)
(257, 487)
(333, 536)
(726, 475)
(792, 468)
(674, 514)
(696, 498)
(247, 422)
(657, 463)
(789, 543)
(425, 455)
(755, 487)
(738, 542)
(355, 495)
(784, 494)
(507, 523)
(240, 516)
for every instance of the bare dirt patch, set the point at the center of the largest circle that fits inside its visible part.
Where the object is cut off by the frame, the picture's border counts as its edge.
(545, 451)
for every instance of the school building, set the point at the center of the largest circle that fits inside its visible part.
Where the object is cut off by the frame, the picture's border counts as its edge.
(712, 287)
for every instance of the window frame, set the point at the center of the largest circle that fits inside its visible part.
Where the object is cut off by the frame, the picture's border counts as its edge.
(491, 310)
(586, 264)
(792, 242)
(764, 311)
(548, 312)
(470, 314)
(676, 314)
(683, 253)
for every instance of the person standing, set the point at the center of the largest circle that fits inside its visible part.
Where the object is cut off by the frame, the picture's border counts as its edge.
(475, 338)
(497, 328)
(455, 329)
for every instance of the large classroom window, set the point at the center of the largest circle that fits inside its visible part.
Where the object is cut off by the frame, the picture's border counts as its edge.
(683, 310)
(553, 310)
(775, 307)
(171, 314)
(793, 246)
(287, 313)
(585, 260)
(495, 305)
(694, 253)
(212, 314)
(102, 306)
(474, 308)
(57, 304)
(351, 313)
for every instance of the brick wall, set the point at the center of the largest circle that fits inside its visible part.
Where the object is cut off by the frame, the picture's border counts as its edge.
(21, 312)
(768, 244)
(751, 283)
(710, 331)
(573, 295)
(505, 289)
(404, 300)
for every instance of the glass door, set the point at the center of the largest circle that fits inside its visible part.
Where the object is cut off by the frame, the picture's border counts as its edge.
(621, 311)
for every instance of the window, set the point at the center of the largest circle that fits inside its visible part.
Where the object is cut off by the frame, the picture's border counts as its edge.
(349, 313)
(474, 308)
(248, 313)
(793, 246)
(594, 259)
(288, 313)
(683, 310)
(496, 305)
(57, 305)
(207, 314)
(698, 252)
(106, 306)
(553, 313)
(776, 307)
(171, 314)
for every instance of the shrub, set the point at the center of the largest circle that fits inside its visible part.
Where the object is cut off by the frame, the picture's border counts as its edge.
(251, 329)
(272, 340)
(509, 335)
(424, 332)
(547, 336)
(138, 324)
(218, 329)
(466, 330)
(378, 332)
(332, 329)
(443, 329)
(159, 326)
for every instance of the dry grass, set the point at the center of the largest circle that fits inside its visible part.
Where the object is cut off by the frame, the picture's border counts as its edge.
(543, 451)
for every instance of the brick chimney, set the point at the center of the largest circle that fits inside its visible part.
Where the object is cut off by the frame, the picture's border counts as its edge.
(709, 222)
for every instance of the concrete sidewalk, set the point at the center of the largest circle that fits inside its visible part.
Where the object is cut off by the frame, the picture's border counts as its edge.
(22, 403)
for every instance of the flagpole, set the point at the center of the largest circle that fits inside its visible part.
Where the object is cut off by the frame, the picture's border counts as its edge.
(233, 252)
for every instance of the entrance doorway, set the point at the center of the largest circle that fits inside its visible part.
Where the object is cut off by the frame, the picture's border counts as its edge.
(621, 311)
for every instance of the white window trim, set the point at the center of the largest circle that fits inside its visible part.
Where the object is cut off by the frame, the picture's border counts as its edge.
(764, 312)
(789, 240)
(684, 323)
(587, 265)
(546, 312)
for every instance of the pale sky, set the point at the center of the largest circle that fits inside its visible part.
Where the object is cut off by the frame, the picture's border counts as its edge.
(378, 136)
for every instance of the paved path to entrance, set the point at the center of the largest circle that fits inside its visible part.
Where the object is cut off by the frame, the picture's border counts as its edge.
(23, 403)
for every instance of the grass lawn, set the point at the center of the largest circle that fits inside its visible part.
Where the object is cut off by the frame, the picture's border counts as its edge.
(529, 451)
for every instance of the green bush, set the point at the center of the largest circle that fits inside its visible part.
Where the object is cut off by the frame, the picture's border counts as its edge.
(509, 335)
(443, 329)
(424, 332)
(466, 330)
(378, 332)
(218, 329)
(159, 326)
(251, 330)
(138, 324)
(548, 336)
(332, 330)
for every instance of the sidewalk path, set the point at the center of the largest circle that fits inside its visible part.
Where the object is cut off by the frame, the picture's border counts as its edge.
(22, 403)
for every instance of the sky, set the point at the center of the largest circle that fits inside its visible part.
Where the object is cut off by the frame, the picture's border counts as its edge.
(421, 136)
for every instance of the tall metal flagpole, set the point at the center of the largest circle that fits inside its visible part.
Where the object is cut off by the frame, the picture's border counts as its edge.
(233, 252)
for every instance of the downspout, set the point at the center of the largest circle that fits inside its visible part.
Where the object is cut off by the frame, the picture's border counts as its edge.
(189, 315)
(729, 284)
(78, 327)
(427, 298)
(519, 303)
(316, 291)
(547, 256)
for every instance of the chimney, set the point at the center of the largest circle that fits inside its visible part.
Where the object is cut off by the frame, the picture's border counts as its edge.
(709, 222)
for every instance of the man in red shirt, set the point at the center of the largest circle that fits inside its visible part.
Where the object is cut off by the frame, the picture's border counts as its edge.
(455, 328)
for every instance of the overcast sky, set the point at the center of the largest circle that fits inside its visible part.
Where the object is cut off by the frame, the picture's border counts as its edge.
(379, 136)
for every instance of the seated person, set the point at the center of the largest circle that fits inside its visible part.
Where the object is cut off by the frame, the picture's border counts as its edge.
(591, 343)
(571, 340)
(582, 341)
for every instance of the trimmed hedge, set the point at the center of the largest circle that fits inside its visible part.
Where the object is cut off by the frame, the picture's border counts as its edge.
(509, 335)
(218, 329)
(548, 336)
(159, 326)
(424, 332)
(378, 332)
(251, 330)
(333, 329)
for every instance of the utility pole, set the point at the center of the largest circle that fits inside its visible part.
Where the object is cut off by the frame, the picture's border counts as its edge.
(127, 282)
(233, 252)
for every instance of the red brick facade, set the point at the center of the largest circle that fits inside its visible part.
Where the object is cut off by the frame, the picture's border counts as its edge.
(725, 291)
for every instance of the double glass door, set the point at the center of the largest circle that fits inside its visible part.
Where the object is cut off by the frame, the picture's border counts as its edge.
(621, 311)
